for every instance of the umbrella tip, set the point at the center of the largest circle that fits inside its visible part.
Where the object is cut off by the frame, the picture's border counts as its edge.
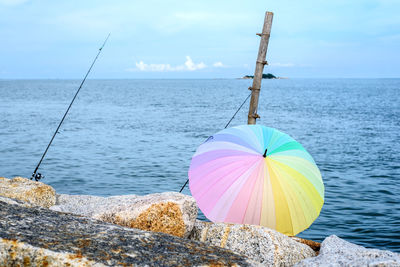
(265, 153)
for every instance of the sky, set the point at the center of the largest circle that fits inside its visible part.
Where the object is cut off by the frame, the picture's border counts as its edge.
(171, 39)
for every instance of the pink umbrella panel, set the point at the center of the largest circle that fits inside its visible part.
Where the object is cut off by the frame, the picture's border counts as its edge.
(253, 174)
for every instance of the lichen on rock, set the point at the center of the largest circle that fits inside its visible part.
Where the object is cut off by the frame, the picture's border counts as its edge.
(159, 217)
(33, 192)
(312, 244)
(15, 253)
(170, 212)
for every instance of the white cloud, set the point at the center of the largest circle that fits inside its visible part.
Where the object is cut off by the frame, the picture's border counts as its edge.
(218, 64)
(189, 65)
(12, 2)
(141, 66)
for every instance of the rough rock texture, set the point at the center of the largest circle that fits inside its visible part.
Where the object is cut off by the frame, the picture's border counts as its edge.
(15, 253)
(312, 244)
(261, 244)
(338, 252)
(29, 191)
(170, 212)
(41, 237)
(16, 202)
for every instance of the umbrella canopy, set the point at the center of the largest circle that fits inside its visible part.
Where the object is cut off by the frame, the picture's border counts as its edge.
(252, 174)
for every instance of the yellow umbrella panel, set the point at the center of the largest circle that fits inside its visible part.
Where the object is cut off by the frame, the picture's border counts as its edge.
(252, 174)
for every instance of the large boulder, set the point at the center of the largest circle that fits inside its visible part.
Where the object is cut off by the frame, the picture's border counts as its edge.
(261, 244)
(33, 192)
(41, 237)
(170, 212)
(338, 252)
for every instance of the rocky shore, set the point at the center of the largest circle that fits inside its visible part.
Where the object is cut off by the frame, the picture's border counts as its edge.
(39, 227)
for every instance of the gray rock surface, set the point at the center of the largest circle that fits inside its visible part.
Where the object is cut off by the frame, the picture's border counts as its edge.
(169, 212)
(84, 205)
(16, 202)
(338, 252)
(261, 244)
(14, 253)
(41, 237)
(33, 192)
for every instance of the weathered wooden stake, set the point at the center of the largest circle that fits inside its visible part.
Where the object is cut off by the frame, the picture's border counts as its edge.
(262, 52)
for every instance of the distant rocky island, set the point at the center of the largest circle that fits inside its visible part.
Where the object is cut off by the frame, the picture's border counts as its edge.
(264, 76)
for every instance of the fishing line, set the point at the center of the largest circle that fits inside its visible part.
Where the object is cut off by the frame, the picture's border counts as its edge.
(36, 175)
(224, 128)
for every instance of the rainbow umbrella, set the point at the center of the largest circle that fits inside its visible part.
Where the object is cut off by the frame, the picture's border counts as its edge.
(252, 174)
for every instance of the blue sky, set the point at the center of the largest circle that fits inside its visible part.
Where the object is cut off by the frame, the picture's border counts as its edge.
(198, 39)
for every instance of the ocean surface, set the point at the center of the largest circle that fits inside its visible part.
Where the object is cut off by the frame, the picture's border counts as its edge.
(138, 137)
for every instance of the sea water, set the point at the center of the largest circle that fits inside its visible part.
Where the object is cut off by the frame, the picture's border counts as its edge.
(138, 137)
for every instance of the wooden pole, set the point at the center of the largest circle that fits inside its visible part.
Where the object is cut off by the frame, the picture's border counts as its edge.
(261, 62)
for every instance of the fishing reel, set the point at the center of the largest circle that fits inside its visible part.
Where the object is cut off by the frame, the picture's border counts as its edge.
(37, 176)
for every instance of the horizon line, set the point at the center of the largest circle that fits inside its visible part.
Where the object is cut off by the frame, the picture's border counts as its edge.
(238, 78)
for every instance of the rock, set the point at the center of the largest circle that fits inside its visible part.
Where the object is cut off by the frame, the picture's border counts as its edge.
(312, 244)
(81, 204)
(338, 252)
(170, 212)
(33, 192)
(15, 253)
(16, 202)
(42, 237)
(261, 244)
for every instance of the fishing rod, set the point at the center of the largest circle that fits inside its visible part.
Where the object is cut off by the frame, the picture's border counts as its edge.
(226, 126)
(36, 175)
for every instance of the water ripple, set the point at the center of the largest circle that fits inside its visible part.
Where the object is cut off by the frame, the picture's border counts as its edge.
(138, 136)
